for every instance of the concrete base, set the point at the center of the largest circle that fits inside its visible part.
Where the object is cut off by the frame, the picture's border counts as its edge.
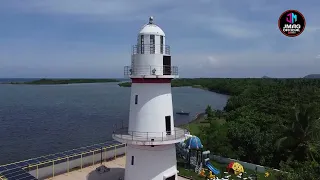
(150, 163)
(116, 170)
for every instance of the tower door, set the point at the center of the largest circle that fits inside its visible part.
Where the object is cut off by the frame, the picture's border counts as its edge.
(171, 177)
(166, 65)
(168, 125)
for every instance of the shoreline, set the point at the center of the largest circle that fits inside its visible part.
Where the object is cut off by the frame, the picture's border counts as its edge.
(44, 81)
(195, 119)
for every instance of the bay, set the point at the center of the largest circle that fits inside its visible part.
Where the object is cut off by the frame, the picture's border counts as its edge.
(36, 120)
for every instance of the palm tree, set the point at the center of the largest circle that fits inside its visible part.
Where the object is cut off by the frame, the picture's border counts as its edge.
(301, 138)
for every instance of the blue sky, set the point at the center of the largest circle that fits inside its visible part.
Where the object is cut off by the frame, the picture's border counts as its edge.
(208, 38)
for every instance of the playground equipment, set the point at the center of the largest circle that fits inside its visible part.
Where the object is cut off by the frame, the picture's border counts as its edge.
(211, 176)
(192, 152)
(202, 173)
(211, 168)
(266, 174)
(235, 167)
(194, 143)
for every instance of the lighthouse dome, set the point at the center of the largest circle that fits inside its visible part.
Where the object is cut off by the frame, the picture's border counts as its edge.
(151, 28)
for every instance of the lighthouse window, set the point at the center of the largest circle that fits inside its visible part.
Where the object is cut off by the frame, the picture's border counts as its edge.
(142, 44)
(136, 99)
(161, 44)
(132, 160)
(152, 46)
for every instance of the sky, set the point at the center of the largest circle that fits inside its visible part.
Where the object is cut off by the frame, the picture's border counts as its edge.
(208, 38)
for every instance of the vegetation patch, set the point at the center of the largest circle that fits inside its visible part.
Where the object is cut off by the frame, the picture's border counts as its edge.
(271, 122)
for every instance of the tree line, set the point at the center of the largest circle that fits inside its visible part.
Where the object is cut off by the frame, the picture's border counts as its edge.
(271, 122)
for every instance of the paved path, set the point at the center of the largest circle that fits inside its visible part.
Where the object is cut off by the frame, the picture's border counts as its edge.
(182, 178)
(89, 173)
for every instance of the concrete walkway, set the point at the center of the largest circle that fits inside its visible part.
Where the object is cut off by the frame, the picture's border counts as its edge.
(89, 173)
(182, 178)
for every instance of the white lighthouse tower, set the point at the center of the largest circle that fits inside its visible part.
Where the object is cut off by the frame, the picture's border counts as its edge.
(151, 135)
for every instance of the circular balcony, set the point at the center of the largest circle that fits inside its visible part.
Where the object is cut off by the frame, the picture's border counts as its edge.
(123, 135)
(151, 71)
(151, 49)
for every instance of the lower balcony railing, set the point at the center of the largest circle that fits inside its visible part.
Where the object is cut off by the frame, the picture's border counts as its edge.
(125, 134)
(150, 70)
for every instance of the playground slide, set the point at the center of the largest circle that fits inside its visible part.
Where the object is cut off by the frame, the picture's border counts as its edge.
(212, 169)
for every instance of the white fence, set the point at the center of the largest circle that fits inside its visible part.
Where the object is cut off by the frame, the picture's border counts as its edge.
(51, 169)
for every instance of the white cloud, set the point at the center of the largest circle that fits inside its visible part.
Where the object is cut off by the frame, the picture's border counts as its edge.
(230, 21)
(217, 16)
(114, 9)
(248, 60)
(212, 61)
(247, 64)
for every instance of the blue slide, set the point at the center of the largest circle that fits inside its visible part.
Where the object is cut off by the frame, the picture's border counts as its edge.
(212, 169)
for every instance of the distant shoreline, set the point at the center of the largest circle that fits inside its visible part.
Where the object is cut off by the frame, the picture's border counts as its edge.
(63, 81)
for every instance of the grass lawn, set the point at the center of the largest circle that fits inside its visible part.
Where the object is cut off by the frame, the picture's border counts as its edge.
(194, 126)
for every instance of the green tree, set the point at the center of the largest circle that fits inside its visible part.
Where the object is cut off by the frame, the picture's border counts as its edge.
(309, 170)
(258, 114)
(301, 136)
(209, 112)
(218, 113)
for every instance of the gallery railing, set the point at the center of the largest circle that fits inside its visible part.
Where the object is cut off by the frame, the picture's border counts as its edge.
(125, 134)
(150, 70)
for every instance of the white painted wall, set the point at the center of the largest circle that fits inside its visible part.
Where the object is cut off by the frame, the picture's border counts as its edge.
(142, 64)
(151, 163)
(154, 103)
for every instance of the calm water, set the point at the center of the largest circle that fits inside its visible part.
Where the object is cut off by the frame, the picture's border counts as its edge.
(38, 120)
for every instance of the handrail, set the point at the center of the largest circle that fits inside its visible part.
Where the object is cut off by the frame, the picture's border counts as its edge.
(103, 146)
(175, 134)
(150, 70)
(151, 49)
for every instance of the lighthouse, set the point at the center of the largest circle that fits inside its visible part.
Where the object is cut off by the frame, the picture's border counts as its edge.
(151, 135)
